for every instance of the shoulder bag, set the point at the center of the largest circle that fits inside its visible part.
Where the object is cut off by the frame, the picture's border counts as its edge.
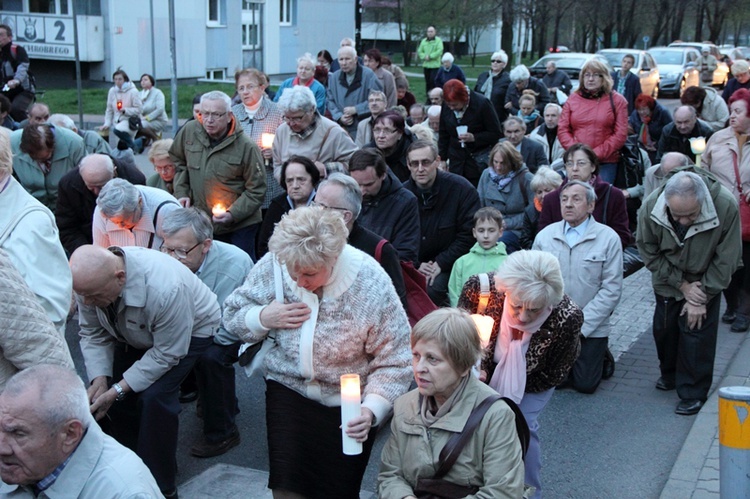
(744, 206)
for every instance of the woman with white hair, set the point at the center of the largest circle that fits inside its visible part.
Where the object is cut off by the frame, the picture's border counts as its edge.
(448, 71)
(741, 73)
(305, 77)
(534, 341)
(494, 83)
(522, 80)
(331, 310)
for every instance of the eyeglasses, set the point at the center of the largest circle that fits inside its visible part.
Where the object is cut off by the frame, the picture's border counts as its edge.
(318, 203)
(179, 253)
(213, 116)
(163, 168)
(248, 88)
(579, 164)
(498, 61)
(295, 119)
(590, 76)
(424, 163)
(383, 131)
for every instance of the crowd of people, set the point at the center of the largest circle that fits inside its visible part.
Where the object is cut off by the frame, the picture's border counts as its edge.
(339, 231)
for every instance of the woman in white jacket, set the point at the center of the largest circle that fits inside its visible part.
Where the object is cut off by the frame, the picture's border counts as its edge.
(123, 102)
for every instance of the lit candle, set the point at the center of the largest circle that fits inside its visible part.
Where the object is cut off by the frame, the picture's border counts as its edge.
(698, 145)
(351, 407)
(484, 325)
(266, 140)
(218, 209)
(119, 105)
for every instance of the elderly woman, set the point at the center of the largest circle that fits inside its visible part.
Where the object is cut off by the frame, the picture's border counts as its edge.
(647, 121)
(448, 71)
(729, 159)
(307, 133)
(545, 180)
(709, 106)
(741, 73)
(153, 113)
(467, 153)
(534, 340)
(258, 115)
(505, 185)
(123, 102)
(339, 314)
(374, 60)
(130, 215)
(445, 346)
(305, 77)
(494, 83)
(581, 163)
(522, 80)
(163, 166)
(393, 139)
(299, 179)
(597, 116)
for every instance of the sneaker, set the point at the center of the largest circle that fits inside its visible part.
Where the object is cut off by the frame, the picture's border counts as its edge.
(728, 317)
(208, 449)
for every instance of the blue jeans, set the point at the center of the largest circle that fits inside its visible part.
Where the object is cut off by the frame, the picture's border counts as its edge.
(531, 406)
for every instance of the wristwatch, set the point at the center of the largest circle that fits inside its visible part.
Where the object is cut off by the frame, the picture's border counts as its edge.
(120, 392)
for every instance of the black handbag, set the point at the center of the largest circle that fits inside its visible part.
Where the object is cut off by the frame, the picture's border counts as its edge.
(134, 123)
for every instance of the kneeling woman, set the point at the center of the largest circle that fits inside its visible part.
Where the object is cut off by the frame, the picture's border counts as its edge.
(339, 315)
(445, 345)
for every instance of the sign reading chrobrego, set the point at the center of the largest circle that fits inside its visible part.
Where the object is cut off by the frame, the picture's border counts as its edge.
(52, 37)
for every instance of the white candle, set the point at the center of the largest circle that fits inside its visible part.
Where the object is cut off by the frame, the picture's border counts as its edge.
(351, 407)
(698, 146)
(266, 140)
(218, 209)
(484, 325)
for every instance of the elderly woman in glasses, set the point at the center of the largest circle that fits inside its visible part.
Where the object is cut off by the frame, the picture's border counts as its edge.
(163, 166)
(333, 311)
(306, 133)
(597, 116)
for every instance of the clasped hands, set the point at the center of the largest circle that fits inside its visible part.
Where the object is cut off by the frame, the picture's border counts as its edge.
(695, 304)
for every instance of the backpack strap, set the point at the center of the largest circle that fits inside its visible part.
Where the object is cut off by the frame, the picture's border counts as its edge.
(156, 214)
(484, 292)
(379, 249)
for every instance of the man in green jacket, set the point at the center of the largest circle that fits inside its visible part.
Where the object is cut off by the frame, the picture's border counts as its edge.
(220, 171)
(689, 238)
(430, 50)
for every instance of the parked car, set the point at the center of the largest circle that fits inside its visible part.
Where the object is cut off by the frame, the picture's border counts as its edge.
(721, 73)
(677, 68)
(570, 62)
(644, 68)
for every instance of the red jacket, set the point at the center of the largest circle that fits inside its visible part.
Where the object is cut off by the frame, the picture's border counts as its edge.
(592, 122)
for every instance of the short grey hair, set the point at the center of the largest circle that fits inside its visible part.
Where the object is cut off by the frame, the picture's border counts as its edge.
(63, 121)
(740, 66)
(346, 48)
(298, 98)
(376, 93)
(307, 58)
(434, 111)
(500, 54)
(197, 220)
(686, 185)
(352, 199)
(217, 95)
(590, 192)
(448, 57)
(62, 395)
(519, 73)
(118, 196)
(532, 278)
(515, 119)
(554, 106)
(545, 177)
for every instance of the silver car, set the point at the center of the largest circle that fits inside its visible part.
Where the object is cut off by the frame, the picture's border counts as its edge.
(677, 68)
(721, 73)
(645, 68)
(569, 62)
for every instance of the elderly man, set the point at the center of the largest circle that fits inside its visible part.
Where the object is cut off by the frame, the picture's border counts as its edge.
(689, 238)
(17, 83)
(41, 156)
(430, 50)
(546, 134)
(388, 209)
(626, 83)
(38, 114)
(188, 237)
(130, 215)
(348, 90)
(29, 235)
(556, 80)
(675, 136)
(77, 193)
(656, 176)
(52, 447)
(532, 151)
(435, 96)
(92, 141)
(447, 203)
(145, 319)
(433, 120)
(306, 133)
(220, 171)
(376, 104)
(594, 283)
(340, 192)
(417, 114)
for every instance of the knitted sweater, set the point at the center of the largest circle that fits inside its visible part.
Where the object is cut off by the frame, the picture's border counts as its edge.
(359, 326)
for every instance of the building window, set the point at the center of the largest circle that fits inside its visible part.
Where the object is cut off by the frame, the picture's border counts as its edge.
(214, 13)
(251, 15)
(216, 74)
(286, 12)
(49, 6)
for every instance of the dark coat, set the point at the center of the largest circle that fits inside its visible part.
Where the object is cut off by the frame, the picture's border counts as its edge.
(535, 84)
(454, 73)
(672, 140)
(500, 84)
(660, 118)
(559, 79)
(632, 88)
(278, 208)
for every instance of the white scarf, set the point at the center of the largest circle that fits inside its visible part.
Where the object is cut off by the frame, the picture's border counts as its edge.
(509, 378)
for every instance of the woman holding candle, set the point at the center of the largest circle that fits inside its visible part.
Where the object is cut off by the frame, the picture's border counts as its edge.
(123, 101)
(258, 115)
(532, 315)
(445, 346)
(340, 315)
(727, 156)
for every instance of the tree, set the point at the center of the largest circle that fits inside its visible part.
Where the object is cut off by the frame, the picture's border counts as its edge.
(716, 13)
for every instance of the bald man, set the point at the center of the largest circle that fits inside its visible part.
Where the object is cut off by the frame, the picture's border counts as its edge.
(656, 176)
(145, 319)
(77, 193)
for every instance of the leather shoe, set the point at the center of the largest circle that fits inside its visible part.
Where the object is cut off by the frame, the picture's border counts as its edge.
(740, 324)
(664, 385)
(187, 397)
(688, 407)
(728, 317)
(208, 449)
(608, 369)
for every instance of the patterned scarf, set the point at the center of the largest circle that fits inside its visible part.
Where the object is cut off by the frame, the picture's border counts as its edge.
(501, 181)
(587, 94)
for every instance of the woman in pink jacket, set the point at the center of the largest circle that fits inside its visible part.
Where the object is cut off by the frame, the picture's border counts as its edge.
(597, 116)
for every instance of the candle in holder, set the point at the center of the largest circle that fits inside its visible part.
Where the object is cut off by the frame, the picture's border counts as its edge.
(351, 407)
(266, 142)
(484, 325)
(698, 146)
(218, 210)
(119, 105)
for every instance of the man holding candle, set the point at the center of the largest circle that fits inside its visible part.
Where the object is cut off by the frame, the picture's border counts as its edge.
(218, 164)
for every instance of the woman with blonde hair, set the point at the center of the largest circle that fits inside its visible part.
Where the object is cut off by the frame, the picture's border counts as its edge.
(163, 166)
